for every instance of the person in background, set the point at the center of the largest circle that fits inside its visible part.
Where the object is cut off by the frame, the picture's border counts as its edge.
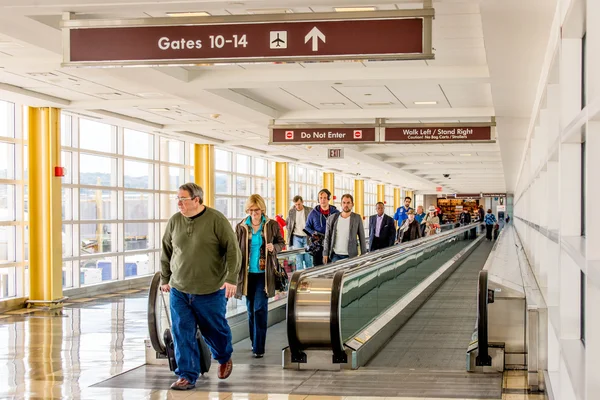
(381, 229)
(410, 230)
(490, 221)
(420, 216)
(296, 221)
(440, 215)
(481, 215)
(259, 239)
(432, 222)
(342, 232)
(401, 213)
(465, 217)
(281, 222)
(199, 267)
(316, 222)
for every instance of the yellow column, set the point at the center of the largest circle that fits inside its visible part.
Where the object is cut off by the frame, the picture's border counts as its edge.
(204, 171)
(329, 184)
(359, 197)
(282, 202)
(45, 205)
(397, 198)
(381, 193)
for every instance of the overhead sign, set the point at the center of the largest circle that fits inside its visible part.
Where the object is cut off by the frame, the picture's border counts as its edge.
(335, 153)
(382, 35)
(493, 194)
(438, 189)
(467, 195)
(322, 134)
(439, 133)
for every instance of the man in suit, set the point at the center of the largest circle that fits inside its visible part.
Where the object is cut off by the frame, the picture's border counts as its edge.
(344, 233)
(296, 222)
(381, 229)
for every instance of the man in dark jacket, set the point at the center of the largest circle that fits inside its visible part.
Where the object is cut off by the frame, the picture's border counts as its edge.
(410, 230)
(465, 217)
(342, 232)
(382, 230)
(317, 220)
(296, 222)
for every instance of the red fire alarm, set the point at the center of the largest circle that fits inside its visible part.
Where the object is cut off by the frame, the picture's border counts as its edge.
(60, 171)
(385, 202)
(335, 197)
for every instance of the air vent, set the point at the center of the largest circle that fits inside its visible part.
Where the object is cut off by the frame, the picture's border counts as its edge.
(380, 103)
(42, 74)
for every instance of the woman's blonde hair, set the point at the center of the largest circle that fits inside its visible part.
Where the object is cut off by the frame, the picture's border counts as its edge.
(258, 201)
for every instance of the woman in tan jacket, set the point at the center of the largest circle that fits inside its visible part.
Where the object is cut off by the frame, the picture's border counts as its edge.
(260, 240)
(431, 221)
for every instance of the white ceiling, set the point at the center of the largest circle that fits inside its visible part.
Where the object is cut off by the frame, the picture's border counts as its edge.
(486, 65)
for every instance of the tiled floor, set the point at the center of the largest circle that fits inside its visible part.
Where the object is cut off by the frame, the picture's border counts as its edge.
(62, 354)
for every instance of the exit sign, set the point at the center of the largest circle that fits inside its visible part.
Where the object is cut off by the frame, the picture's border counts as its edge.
(335, 153)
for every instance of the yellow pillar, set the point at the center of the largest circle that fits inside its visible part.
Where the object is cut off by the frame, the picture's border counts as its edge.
(282, 201)
(359, 197)
(381, 193)
(204, 171)
(45, 205)
(329, 184)
(397, 198)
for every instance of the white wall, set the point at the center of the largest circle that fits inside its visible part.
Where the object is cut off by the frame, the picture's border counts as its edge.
(549, 193)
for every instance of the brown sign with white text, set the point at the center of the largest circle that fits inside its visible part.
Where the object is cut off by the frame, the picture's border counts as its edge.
(323, 135)
(438, 134)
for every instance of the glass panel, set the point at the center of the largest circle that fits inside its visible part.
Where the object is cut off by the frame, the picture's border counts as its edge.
(261, 186)
(7, 161)
(242, 186)
(223, 183)
(7, 202)
(8, 282)
(97, 238)
(139, 205)
(67, 204)
(98, 171)
(97, 270)
(96, 136)
(312, 176)
(139, 236)
(172, 151)
(8, 239)
(222, 160)
(292, 172)
(65, 130)
(260, 167)
(138, 144)
(97, 204)
(67, 274)
(240, 208)
(223, 204)
(66, 158)
(7, 119)
(26, 243)
(67, 241)
(302, 174)
(26, 202)
(242, 164)
(139, 265)
(138, 175)
(171, 178)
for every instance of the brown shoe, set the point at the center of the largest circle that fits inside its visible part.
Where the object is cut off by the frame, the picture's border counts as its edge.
(225, 369)
(182, 384)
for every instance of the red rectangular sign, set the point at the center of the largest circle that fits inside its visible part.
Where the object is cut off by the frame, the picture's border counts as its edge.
(323, 135)
(437, 134)
(239, 42)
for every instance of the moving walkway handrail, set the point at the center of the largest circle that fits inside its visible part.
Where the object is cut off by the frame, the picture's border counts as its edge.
(483, 297)
(314, 297)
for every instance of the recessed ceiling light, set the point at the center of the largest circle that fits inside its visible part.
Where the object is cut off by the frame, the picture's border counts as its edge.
(270, 11)
(354, 9)
(188, 14)
(466, 155)
(150, 94)
(425, 103)
(337, 83)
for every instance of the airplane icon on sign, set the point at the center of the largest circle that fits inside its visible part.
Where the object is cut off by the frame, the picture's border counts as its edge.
(278, 40)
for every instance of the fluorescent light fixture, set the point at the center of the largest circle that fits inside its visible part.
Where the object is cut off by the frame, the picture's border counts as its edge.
(380, 103)
(270, 11)
(355, 9)
(188, 14)
(466, 155)
(158, 109)
(425, 103)
(333, 104)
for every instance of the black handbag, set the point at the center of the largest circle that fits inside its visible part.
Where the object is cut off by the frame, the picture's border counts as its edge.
(281, 278)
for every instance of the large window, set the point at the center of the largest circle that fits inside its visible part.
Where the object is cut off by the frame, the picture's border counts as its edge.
(389, 200)
(305, 182)
(117, 197)
(13, 203)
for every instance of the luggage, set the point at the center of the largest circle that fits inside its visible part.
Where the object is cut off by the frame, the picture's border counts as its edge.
(205, 355)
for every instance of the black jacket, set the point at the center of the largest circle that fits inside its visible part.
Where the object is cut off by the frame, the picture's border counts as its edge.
(387, 232)
(465, 218)
(413, 232)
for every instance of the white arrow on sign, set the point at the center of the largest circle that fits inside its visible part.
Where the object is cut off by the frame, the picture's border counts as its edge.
(315, 34)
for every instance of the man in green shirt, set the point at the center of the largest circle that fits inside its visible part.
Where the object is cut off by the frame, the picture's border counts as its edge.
(199, 267)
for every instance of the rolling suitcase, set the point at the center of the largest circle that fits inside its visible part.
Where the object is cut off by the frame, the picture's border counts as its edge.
(205, 355)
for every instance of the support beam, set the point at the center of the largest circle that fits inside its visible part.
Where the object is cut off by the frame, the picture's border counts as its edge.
(329, 184)
(282, 202)
(45, 204)
(397, 198)
(380, 193)
(359, 197)
(204, 171)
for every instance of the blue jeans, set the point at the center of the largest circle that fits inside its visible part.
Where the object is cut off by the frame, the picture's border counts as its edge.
(208, 313)
(302, 260)
(338, 257)
(257, 304)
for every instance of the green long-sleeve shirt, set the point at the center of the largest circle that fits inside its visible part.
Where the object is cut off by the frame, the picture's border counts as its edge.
(199, 254)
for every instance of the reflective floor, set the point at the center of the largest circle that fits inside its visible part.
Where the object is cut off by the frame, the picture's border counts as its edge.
(61, 354)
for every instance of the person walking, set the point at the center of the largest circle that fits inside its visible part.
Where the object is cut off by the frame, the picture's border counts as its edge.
(401, 213)
(432, 222)
(296, 222)
(199, 267)
(381, 229)
(490, 221)
(410, 230)
(342, 232)
(260, 240)
(316, 223)
(420, 217)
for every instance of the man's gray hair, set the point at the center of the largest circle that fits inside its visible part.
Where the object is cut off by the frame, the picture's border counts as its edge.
(194, 191)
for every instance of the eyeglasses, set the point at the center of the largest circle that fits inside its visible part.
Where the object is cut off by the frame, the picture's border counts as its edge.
(182, 199)
(254, 210)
